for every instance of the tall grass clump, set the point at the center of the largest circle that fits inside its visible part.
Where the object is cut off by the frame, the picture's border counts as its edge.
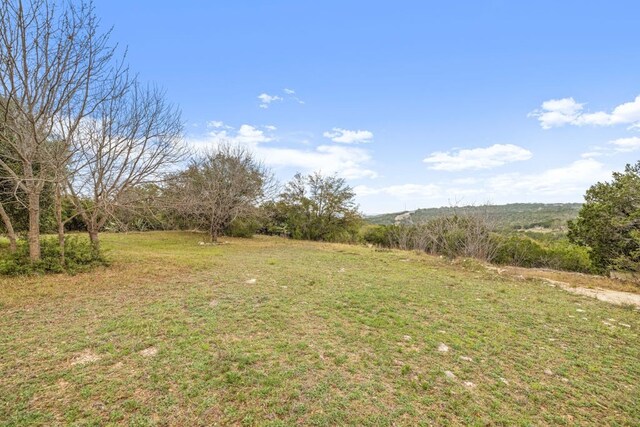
(473, 236)
(451, 236)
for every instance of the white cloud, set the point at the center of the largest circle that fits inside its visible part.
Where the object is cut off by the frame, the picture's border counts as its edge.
(557, 112)
(249, 135)
(477, 158)
(289, 94)
(626, 145)
(592, 154)
(566, 181)
(557, 185)
(345, 136)
(217, 124)
(560, 112)
(266, 99)
(348, 162)
(292, 95)
(402, 191)
(271, 128)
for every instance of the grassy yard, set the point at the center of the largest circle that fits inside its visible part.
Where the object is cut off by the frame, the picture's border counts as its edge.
(267, 331)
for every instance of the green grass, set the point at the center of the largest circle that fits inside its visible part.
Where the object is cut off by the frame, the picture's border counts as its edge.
(328, 335)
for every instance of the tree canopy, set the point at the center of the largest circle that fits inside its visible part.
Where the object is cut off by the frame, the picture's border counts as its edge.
(609, 222)
(317, 207)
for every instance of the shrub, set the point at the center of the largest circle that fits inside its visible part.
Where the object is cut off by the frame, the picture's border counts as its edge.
(567, 256)
(79, 256)
(376, 235)
(451, 236)
(519, 251)
(523, 251)
(243, 228)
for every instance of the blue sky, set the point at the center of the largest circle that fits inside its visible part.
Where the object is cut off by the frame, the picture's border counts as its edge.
(415, 103)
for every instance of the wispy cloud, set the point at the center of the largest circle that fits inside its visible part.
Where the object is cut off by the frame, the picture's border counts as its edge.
(568, 180)
(566, 111)
(401, 191)
(293, 95)
(345, 136)
(266, 99)
(477, 158)
(348, 162)
(626, 145)
(287, 94)
(562, 184)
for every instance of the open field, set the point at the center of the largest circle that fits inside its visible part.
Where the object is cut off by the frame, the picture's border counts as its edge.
(267, 331)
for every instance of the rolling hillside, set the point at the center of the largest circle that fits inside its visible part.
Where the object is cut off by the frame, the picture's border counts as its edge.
(512, 216)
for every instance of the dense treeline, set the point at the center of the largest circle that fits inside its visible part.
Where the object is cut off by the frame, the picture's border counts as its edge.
(509, 217)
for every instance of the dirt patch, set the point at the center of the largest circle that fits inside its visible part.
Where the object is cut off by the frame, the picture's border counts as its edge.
(87, 356)
(581, 280)
(599, 287)
(149, 352)
(607, 295)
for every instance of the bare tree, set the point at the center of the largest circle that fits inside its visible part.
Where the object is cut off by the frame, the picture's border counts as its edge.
(466, 233)
(8, 226)
(52, 60)
(131, 140)
(218, 188)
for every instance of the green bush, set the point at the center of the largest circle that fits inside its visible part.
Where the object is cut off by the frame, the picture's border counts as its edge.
(567, 256)
(523, 251)
(79, 256)
(243, 228)
(519, 251)
(376, 235)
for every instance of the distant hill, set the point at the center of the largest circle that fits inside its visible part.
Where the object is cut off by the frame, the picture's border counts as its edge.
(515, 216)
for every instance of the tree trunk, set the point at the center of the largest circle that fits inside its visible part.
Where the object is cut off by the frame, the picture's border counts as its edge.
(94, 238)
(11, 234)
(58, 209)
(33, 235)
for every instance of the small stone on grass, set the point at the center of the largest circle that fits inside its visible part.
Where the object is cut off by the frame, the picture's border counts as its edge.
(251, 281)
(87, 356)
(443, 348)
(149, 352)
(450, 375)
